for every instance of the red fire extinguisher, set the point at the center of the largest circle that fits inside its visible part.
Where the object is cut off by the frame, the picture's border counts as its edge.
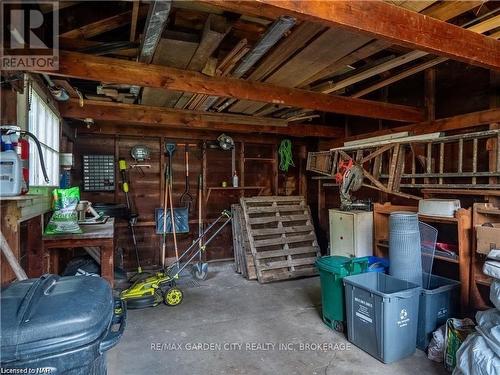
(23, 150)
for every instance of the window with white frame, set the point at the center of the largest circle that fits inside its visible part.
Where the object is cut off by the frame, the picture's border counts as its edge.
(45, 125)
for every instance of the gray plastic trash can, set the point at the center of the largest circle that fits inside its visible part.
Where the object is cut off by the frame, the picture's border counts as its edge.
(382, 315)
(64, 325)
(438, 302)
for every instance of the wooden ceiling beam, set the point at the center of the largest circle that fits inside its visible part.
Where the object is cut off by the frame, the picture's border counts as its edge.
(102, 26)
(103, 69)
(385, 21)
(464, 121)
(443, 11)
(170, 118)
(484, 26)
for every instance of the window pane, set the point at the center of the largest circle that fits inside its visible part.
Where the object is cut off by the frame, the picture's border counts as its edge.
(44, 124)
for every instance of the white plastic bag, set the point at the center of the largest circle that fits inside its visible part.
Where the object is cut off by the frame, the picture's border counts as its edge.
(435, 351)
(495, 293)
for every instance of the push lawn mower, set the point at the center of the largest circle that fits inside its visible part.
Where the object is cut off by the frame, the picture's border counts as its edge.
(152, 290)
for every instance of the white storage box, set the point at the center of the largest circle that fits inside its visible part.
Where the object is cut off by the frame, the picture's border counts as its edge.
(438, 207)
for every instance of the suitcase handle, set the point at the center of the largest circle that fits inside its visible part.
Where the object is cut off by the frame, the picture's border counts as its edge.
(119, 317)
(39, 287)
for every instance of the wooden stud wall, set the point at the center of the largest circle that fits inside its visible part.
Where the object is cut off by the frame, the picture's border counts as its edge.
(256, 164)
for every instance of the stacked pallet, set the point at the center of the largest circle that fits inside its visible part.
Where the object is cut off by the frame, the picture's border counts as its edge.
(281, 237)
(243, 258)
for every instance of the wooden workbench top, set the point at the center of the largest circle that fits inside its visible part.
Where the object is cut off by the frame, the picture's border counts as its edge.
(90, 231)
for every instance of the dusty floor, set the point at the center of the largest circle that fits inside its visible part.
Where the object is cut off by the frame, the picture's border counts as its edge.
(229, 325)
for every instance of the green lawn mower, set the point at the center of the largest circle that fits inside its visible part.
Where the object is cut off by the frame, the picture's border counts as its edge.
(152, 290)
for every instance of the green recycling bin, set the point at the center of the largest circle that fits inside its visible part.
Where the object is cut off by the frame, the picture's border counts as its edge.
(332, 269)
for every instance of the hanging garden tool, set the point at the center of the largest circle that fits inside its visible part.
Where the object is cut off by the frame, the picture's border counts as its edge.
(165, 200)
(132, 217)
(172, 219)
(200, 269)
(186, 197)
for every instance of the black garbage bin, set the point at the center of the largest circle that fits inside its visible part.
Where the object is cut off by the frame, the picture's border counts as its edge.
(59, 325)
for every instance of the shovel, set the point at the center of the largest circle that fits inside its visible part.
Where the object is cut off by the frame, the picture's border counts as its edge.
(200, 269)
(186, 197)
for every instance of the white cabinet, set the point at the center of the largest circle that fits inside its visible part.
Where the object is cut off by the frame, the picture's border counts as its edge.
(351, 233)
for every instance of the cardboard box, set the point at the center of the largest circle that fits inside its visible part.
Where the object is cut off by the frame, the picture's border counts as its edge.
(488, 238)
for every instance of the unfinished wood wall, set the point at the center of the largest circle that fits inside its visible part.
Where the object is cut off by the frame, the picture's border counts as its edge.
(257, 168)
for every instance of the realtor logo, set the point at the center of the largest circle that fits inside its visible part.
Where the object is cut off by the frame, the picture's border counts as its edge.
(29, 35)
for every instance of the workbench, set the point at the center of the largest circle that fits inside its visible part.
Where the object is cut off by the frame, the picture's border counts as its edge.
(21, 222)
(94, 235)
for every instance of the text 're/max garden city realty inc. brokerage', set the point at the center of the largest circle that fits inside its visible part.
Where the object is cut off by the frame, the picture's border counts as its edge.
(250, 346)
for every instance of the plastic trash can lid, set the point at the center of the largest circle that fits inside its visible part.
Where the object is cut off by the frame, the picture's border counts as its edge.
(333, 263)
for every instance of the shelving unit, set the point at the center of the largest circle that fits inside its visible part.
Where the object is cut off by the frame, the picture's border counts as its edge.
(241, 189)
(463, 224)
(482, 213)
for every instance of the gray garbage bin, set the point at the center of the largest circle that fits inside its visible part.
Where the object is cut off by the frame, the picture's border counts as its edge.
(62, 324)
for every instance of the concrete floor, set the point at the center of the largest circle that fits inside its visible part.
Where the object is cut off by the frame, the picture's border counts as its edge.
(228, 325)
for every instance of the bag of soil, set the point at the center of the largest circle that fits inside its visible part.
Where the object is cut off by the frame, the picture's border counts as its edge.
(64, 220)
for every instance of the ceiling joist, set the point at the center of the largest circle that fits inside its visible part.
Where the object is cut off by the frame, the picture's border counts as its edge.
(385, 21)
(170, 118)
(103, 69)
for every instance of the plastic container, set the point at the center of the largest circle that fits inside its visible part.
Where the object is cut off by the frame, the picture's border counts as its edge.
(65, 324)
(331, 270)
(11, 175)
(438, 207)
(376, 264)
(382, 315)
(437, 303)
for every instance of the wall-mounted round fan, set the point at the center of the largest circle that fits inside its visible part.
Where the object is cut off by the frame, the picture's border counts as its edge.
(225, 142)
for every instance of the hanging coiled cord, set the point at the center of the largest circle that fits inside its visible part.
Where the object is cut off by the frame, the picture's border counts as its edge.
(286, 156)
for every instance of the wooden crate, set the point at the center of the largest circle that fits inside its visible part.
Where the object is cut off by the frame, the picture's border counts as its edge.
(243, 258)
(281, 236)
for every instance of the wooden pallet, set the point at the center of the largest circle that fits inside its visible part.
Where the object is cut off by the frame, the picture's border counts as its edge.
(243, 258)
(281, 237)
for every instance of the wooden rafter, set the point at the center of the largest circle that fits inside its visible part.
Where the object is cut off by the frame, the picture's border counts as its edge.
(481, 27)
(443, 11)
(166, 118)
(397, 77)
(102, 26)
(134, 19)
(384, 21)
(103, 69)
(467, 120)
(328, 87)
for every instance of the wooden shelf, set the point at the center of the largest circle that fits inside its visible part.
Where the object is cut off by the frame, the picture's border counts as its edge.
(482, 213)
(438, 219)
(482, 279)
(462, 223)
(268, 160)
(22, 197)
(445, 259)
(461, 192)
(239, 188)
(439, 257)
(236, 188)
(490, 211)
